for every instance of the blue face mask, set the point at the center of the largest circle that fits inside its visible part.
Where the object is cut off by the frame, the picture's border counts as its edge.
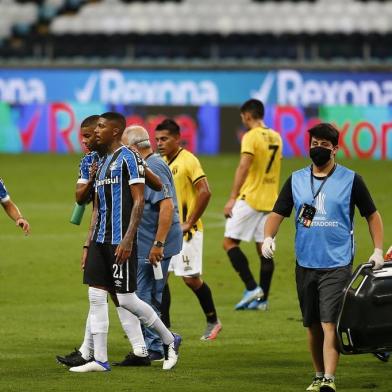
(320, 155)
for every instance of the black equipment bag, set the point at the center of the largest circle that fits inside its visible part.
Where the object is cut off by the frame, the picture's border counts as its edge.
(365, 320)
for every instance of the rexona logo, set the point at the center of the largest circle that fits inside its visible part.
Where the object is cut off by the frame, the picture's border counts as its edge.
(293, 89)
(18, 90)
(112, 87)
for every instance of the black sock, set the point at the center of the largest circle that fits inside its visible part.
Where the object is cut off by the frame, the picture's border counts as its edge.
(203, 293)
(165, 306)
(241, 265)
(266, 271)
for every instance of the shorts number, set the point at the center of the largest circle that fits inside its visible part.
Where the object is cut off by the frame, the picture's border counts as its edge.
(274, 149)
(117, 271)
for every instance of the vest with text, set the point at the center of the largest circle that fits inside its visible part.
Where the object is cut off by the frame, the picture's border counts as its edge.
(329, 241)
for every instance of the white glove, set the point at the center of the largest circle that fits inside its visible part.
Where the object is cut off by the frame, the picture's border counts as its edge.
(268, 247)
(377, 258)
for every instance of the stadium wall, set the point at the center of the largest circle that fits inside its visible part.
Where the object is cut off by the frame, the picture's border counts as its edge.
(41, 109)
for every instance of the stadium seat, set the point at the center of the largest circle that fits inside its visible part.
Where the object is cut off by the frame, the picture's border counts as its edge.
(245, 28)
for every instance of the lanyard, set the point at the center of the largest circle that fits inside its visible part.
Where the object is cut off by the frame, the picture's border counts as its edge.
(322, 183)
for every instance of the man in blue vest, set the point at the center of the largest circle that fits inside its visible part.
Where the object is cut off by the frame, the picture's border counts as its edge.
(324, 196)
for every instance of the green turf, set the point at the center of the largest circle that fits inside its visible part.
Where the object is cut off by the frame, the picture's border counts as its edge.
(43, 304)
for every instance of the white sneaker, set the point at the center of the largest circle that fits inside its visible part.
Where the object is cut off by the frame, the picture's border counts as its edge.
(93, 366)
(171, 353)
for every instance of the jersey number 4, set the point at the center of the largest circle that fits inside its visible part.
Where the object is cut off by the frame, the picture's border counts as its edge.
(274, 148)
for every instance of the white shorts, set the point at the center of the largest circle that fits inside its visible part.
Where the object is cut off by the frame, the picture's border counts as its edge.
(189, 261)
(246, 223)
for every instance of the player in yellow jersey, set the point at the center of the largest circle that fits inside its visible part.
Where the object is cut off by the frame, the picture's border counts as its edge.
(253, 195)
(193, 194)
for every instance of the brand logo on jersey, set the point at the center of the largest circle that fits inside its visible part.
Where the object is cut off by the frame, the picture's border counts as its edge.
(320, 204)
(117, 283)
(113, 166)
(108, 181)
(140, 169)
(175, 170)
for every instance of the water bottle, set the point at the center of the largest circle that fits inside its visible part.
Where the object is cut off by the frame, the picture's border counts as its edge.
(157, 271)
(77, 213)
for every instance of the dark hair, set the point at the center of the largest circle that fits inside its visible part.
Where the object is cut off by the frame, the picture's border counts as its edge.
(89, 121)
(117, 118)
(324, 131)
(254, 107)
(169, 125)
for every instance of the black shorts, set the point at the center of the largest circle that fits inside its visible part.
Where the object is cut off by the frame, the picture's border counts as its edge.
(320, 293)
(101, 269)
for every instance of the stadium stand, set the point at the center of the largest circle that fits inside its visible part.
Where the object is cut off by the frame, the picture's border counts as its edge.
(296, 30)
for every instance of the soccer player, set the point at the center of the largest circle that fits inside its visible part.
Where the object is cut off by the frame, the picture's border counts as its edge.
(252, 197)
(159, 238)
(324, 196)
(12, 209)
(111, 258)
(84, 194)
(193, 195)
(89, 163)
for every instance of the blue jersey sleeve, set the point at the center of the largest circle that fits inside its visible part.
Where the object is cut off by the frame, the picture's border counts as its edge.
(84, 167)
(134, 165)
(4, 196)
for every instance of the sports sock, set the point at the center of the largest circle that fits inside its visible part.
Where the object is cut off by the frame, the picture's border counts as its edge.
(146, 314)
(319, 375)
(241, 265)
(99, 322)
(133, 330)
(87, 347)
(203, 293)
(329, 377)
(266, 271)
(165, 305)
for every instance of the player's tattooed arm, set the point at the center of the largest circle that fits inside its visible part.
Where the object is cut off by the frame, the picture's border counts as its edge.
(124, 249)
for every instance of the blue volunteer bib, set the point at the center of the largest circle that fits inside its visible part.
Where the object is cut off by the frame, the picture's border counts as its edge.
(328, 242)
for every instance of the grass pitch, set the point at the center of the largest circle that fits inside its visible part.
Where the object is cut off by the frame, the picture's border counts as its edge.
(43, 304)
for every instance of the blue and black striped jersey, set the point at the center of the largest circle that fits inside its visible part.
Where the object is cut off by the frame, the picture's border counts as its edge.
(4, 197)
(84, 166)
(116, 173)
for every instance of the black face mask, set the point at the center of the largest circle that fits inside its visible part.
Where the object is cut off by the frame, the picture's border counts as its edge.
(320, 155)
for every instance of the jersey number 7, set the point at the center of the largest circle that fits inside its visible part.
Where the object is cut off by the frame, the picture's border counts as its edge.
(274, 149)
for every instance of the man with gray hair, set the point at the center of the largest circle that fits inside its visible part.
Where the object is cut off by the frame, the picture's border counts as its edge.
(159, 236)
